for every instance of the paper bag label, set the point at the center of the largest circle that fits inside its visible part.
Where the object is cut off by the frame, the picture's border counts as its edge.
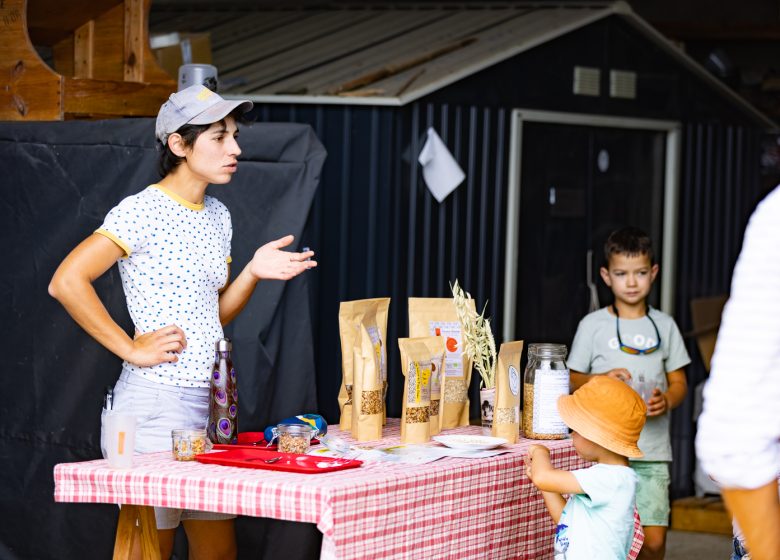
(419, 383)
(514, 380)
(376, 340)
(450, 330)
(549, 385)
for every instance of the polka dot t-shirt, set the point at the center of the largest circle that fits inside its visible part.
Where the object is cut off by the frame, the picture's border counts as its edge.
(175, 262)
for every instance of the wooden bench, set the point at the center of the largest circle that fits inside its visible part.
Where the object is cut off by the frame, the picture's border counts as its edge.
(704, 515)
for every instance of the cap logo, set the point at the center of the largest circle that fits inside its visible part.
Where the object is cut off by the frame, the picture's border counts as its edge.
(204, 94)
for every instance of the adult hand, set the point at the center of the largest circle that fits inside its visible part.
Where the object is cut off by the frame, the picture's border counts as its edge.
(657, 404)
(157, 347)
(621, 374)
(271, 263)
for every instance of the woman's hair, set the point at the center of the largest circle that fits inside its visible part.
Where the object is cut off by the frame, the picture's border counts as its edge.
(189, 134)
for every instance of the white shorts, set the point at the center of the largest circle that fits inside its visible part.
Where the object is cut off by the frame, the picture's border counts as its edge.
(159, 409)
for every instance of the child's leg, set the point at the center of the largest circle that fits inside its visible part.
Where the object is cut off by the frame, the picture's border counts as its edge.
(652, 502)
(654, 547)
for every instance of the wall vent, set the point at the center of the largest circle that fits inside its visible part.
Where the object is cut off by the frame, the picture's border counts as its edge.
(587, 81)
(622, 84)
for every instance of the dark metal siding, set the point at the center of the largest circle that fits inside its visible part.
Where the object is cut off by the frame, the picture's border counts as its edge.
(379, 232)
(720, 186)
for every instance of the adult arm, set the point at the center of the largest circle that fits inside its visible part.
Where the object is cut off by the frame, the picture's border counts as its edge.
(551, 482)
(758, 513)
(72, 286)
(737, 438)
(268, 263)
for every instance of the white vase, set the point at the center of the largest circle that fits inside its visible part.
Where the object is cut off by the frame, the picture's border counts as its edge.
(487, 402)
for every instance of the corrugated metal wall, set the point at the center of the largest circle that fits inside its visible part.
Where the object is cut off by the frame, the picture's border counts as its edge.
(720, 186)
(379, 232)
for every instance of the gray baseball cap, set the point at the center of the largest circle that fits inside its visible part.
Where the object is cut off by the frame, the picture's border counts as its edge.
(194, 105)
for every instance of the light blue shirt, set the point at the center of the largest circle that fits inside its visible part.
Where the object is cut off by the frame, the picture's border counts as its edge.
(595, 349)
(599, 523)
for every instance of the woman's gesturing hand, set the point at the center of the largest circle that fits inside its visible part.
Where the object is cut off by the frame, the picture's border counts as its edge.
(157, 347)
(271, 263)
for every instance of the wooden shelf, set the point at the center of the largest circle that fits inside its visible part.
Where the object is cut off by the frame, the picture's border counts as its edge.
(103, 65)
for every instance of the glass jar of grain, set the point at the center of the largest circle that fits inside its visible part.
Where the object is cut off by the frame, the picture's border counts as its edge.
(546, 378)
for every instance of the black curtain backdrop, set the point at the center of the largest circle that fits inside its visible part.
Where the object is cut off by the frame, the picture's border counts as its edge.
(58, 180)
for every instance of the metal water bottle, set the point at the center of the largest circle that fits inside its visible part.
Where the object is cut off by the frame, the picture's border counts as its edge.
(223, 397)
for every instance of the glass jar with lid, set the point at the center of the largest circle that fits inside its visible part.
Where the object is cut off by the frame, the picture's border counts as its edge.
(546, 378)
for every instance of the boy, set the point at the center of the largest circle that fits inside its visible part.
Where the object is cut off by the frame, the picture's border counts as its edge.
(597, 522)
(643, 347)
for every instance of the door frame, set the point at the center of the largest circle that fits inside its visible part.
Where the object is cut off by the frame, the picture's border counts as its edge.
(668, 257)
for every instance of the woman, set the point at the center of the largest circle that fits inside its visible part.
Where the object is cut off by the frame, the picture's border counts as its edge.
(172, 246)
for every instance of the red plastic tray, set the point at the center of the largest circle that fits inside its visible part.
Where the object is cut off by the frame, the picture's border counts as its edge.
(289, 462)
(251, 440)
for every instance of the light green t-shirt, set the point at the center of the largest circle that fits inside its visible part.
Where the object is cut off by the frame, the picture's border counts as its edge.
(595, 349)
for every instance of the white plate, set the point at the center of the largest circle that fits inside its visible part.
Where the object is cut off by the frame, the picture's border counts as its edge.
(471, 443)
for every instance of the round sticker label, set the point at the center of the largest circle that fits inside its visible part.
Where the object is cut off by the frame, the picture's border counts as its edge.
(514, 380)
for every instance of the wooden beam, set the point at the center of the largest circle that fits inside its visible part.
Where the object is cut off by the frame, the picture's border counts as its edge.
(50, 21)
(62, 52)
(110, 44)
(29, 89)
(84, 50)
(136, 39)
(113, 47)
(83, 97)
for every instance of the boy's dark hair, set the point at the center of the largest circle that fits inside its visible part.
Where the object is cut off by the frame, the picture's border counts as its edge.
(189, 133)
(629, 241)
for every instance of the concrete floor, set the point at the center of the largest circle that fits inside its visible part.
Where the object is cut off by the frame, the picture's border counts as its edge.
(687, 545)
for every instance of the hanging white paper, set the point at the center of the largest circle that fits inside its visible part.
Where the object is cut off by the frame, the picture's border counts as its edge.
(441, 172)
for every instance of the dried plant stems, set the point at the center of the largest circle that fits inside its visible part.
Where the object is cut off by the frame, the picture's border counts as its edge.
(478, 342)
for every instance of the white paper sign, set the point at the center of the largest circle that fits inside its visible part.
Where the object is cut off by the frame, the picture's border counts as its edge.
(440, 171)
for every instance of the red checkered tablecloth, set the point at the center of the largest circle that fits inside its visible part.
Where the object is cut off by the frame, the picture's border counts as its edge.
(451, 508)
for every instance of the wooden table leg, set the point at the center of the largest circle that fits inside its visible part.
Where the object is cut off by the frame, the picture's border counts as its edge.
(136, 525)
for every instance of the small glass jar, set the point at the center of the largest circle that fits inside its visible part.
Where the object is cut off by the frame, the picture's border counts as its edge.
(188, 443)
(293, 438)
(545, 380)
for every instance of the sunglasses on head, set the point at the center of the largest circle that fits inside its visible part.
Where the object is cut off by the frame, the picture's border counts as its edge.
(630, 349)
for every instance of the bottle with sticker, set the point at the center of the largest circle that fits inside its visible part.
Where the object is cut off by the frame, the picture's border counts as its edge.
(222, 425)
(546, 379)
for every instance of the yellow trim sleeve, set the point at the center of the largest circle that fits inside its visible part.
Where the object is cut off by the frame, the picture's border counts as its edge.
(229, 259)
(122, 245)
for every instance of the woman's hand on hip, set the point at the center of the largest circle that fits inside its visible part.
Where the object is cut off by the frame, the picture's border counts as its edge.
(157, 347)
(271, 263)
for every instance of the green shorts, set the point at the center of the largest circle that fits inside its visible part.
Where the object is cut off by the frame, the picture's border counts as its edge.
(652, 491)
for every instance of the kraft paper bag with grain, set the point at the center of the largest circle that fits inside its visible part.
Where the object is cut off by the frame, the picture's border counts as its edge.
(437, 317)
(352, 315)
(421, 361)
(506, 415)
(366, 390)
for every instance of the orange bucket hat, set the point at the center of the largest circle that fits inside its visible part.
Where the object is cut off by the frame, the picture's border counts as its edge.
(607, 412)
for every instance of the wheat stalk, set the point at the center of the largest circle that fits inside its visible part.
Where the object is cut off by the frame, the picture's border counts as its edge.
(478, 342)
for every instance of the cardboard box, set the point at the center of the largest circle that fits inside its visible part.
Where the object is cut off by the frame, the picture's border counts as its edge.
(174, 49)
(705, 315)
